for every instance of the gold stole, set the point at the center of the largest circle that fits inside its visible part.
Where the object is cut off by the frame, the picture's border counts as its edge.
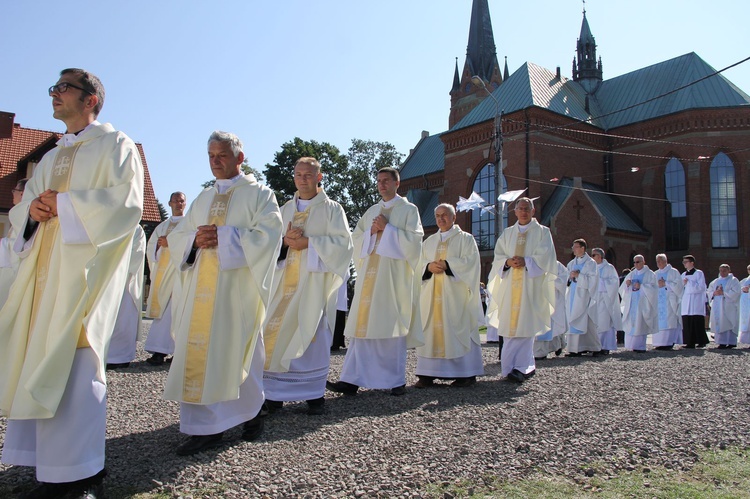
(289, 285)
(438, 341)
(199, 334)
(371, 274)
(47, 232)
(161, 269)
(516, 286)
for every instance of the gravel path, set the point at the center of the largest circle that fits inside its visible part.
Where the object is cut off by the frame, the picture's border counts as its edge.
(577, 418)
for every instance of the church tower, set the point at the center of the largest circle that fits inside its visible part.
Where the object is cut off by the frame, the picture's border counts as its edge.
(586, 69)
(481, 60)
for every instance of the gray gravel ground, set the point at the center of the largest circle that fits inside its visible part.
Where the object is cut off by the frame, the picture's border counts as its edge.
(578, 417)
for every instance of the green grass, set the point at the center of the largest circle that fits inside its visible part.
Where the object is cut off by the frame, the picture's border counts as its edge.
(718, 475)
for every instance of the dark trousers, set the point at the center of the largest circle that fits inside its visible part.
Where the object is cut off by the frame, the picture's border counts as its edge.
(694, 330)
(338, 330)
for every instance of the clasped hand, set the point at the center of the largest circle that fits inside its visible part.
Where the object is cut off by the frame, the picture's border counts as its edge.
(294, 238)
(378, 224)
(437, 267)
(44, 207)
(206, 237)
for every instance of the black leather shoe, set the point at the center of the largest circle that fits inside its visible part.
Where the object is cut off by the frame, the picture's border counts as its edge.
(573, 354)
(516, 376)
(464, 382)
(558, 352)
(273, 406)
(316, 407)
(91, 491)
(198, 443)
(112, 367)
(47, 491)
(342, 387)
(156, 359)
(529, 375)
(424, 382)
(398, 391)
(253, 429)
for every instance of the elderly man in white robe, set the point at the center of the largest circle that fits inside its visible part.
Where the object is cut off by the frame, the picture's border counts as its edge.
(670, 294)
(127, 331)
(165, 284)
(314, 261)
(384, 319)
(75, 227)
(693, 305)
(608, 314)
(640, 305)
(226, 246)
(554, 339)
(522, 285)
(744, 326)
(724, 298)
(580, 304)
(450, 305)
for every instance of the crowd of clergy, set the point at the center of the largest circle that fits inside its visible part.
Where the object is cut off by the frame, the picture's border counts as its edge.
(249, 299)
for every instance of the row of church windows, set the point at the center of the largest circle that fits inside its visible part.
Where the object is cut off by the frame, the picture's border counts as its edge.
(724, 233)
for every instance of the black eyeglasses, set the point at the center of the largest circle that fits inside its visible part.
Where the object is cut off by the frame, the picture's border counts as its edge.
(61, 88)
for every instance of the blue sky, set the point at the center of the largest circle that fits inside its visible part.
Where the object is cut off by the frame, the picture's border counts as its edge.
(325, 70)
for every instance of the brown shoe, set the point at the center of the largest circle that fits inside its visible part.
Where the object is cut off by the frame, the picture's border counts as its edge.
(424, 382)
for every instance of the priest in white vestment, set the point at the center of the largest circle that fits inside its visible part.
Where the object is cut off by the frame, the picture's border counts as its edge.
(554, 340)
(580, 302)
(9, 260)
(693, 305)
(522, 286)
(314, 262)
(608, 315)
(384, 319)
(640, 305)
(744, 325)
(226, 247)
(75, 228)
(450, 305)
(670, 295)
(165, 284)
(724, 298)
(127, 329)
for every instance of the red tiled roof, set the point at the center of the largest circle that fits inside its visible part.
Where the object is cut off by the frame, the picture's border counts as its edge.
(28, 140)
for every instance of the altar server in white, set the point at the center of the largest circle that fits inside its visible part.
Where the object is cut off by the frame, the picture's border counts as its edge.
(75, 228)
(583, 288)
(450, 305)
(127, 329)
(640, 305)
(608, 314)
(314, 261)
(165, 284)
(693, 306)
(744, 326)
(384, 319)
(670, 295)
(9, 259)
(227, 247)
(522, 286)
(554, 340)
(724, 298)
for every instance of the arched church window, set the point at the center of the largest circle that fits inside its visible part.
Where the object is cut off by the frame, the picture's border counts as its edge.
(676, 223)
(483, 222)
(723, 203)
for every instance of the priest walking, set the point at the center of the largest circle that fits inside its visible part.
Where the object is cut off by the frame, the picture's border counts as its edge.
(583, 288)
(693, 305)
(640, 305)
(227, 247)
(724, 298)
(608, 314)
(670, 294)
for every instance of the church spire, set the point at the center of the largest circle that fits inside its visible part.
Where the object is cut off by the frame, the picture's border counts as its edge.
(480, 53)
(456, 79)
(586, 69)
(506, 74)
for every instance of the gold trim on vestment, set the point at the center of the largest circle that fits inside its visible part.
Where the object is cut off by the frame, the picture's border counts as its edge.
(371, 275)
(161, 269)
(438, 329)
(516, 286)
(199, 333)
(289, 288)
(47, 233)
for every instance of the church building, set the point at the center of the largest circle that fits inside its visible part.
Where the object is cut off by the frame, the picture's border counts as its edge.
(648, 162)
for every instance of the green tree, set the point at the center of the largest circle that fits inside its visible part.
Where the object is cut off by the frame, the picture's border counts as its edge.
(366, 157)
(332, 163)
(163, 213)
(245, 168)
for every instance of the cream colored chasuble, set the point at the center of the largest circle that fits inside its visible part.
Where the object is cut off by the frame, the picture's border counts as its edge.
(371, 274)
(199, 334)
(438, 326)
(516, 284)
(161, 268)
(290, 283)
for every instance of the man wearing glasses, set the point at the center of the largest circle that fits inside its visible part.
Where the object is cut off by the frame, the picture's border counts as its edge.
(75, 224)
(583, 287)
(608, 315)
(640, 305)
(693, 305)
